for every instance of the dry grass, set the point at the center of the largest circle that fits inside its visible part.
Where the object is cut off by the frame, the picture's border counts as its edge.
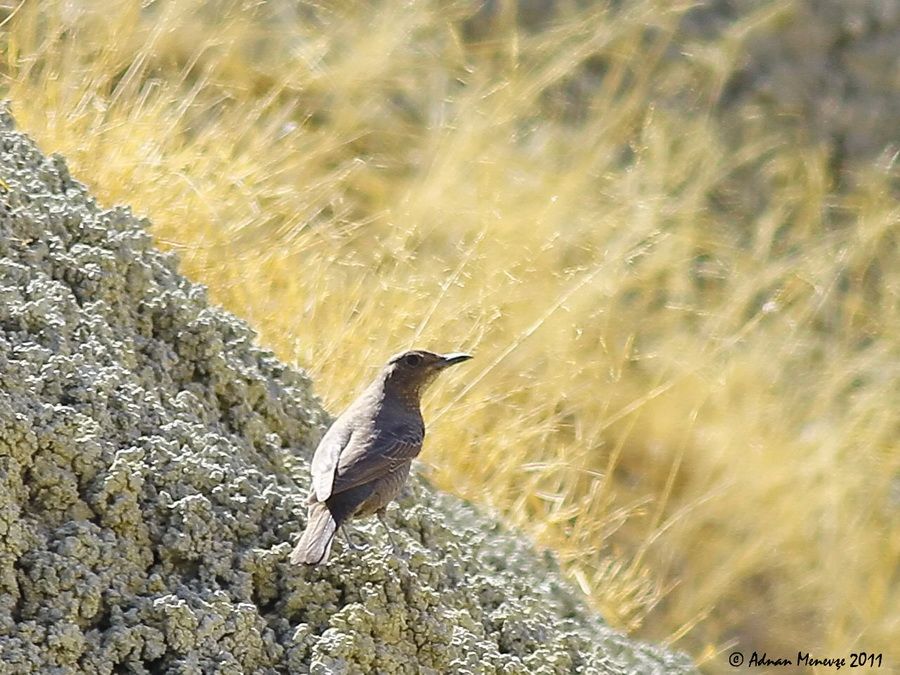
(687, 362)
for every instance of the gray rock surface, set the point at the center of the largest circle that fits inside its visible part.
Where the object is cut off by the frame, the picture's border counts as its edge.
(829, 70)
(153, 468)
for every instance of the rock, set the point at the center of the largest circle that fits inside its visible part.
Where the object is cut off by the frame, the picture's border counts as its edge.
(153, 472)
(827, 70)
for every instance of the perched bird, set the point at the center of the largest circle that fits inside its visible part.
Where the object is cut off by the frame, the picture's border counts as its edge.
(363, 460)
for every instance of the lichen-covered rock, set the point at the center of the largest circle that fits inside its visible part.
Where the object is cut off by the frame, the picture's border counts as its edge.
(153, 468)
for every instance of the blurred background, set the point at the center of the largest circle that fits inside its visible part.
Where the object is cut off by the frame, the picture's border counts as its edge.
(668, 231)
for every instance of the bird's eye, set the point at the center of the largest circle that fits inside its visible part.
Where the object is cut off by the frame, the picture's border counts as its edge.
(412, 360)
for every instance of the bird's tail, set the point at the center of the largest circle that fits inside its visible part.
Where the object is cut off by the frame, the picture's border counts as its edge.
(315, 544)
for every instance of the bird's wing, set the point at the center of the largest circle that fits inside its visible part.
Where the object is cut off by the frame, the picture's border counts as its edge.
(325, 459)
(368, 458)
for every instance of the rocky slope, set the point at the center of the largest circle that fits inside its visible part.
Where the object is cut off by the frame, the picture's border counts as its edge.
(828, 70)
(153, 470)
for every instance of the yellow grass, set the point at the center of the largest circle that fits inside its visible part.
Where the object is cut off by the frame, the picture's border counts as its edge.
(686, 336)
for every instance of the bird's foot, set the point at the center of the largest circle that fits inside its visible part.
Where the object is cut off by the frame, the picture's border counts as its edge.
(353, 547)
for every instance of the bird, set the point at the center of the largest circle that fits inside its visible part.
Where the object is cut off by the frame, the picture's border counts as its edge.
(363, 460)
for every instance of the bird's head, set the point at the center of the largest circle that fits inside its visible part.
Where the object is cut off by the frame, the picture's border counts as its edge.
(409, 373)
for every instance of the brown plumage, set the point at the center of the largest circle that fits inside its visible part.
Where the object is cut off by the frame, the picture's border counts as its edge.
(363, 460)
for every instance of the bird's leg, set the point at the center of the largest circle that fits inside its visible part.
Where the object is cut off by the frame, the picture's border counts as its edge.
(354, 547)
(380, 513)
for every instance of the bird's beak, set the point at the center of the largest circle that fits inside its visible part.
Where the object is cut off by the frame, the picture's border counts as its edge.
(453, 359)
